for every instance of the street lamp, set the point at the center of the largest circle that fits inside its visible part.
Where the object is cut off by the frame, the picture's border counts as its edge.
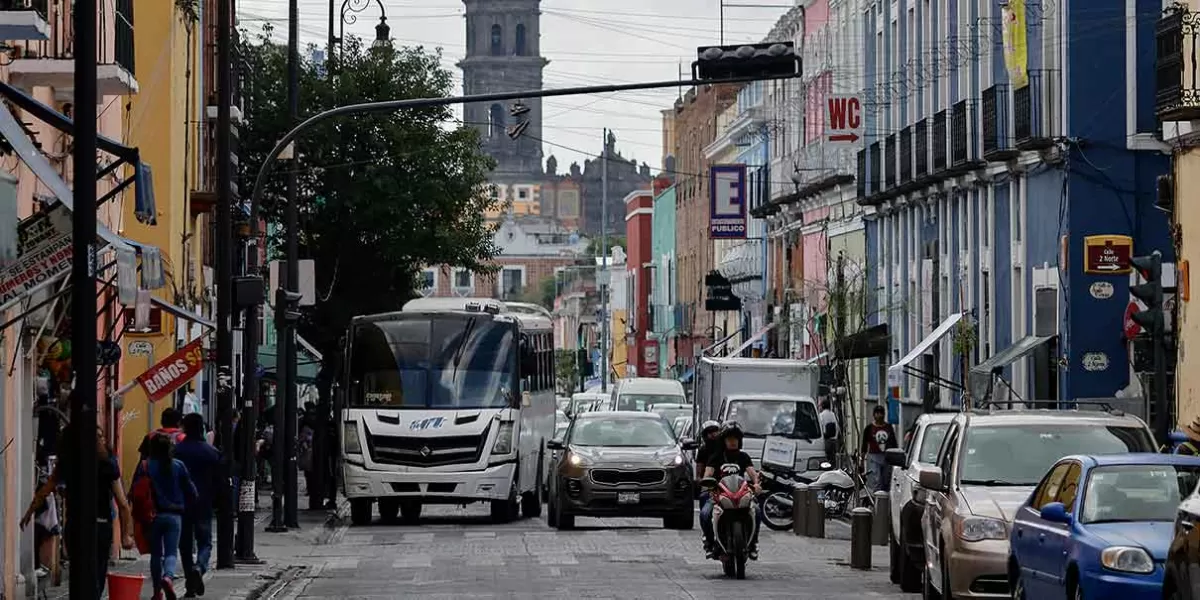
(348, 14)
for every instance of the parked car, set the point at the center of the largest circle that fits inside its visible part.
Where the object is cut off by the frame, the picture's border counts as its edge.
(561, 421)
(906, 499)
(1182, 578)
(1099, 527)
(621, 464)
(671, 411)
(987, 467)
(587, 401)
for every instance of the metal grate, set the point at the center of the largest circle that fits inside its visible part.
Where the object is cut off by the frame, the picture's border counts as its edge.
(941, 122)
(921, 148)
(634, 477)
(906, 154)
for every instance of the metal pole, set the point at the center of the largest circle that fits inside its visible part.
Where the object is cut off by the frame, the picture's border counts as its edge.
(606, 279)
(224, 268)
(722, 22)
(332, 41)
(800, 500)
(860, 538)
(81, 489)
(287, 382)
(881, 519)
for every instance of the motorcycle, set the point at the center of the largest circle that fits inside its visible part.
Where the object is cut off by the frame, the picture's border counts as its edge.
(734, 520)
(776, 497)
(834, 490)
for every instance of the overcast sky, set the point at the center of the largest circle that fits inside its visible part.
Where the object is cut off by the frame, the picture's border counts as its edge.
(588, 42)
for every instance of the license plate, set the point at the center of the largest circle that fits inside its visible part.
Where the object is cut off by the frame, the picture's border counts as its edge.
(628, 497)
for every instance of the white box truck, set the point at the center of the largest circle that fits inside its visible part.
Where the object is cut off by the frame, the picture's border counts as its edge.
(768, 397)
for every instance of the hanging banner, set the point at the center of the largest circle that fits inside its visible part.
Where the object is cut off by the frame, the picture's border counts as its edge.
(44, 253)
(727, 202)
(173, 371)
(1016, 50)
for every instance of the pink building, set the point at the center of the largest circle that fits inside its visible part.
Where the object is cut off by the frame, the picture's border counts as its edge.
(642, 349)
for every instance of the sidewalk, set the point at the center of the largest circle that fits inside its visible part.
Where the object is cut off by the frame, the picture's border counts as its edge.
(244, 581)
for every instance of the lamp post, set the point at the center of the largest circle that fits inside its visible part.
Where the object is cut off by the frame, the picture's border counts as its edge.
(348, 15)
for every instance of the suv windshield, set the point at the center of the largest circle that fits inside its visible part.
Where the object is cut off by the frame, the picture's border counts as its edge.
(641, 402)
(760, 418)
(1021, 454)
(1137, 492)
(423, 361)
(630, 432)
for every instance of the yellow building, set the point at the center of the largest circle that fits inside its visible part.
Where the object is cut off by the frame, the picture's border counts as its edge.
(170, 46)
(1187, 219)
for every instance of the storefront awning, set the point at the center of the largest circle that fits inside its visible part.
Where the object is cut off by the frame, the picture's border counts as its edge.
(182, 313)
(753, 339)
(1010, 355)
(868, 343)
(934, 337)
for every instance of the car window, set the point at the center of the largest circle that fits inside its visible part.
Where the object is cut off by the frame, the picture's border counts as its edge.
(1019, 454)
(1070, 486)
(944, 458)
(1120, 493)
(622, 432)
(1048, 489)
(931, 442)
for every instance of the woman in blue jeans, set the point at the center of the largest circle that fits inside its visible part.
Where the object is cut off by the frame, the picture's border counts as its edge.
(173, 490)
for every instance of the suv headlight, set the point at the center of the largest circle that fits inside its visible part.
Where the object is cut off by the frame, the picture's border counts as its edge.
(977, 529)
(578, 461)
(1127, 559)
(350, 442)
(504, 439)
(672, 461)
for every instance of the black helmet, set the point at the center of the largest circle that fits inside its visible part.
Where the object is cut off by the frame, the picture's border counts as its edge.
(731, 429)
(709, 427)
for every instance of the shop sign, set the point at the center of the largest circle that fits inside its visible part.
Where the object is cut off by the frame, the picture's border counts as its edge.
(1101, 290)
(1095, 361)
(43, 253)
(727, 202)
(1107, 254)
(173, 371)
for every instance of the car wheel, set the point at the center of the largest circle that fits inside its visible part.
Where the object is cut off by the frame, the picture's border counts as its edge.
(1017, 587)
(947, 593)
(531, 502)
(505, 511)
(927, 590)
(910, 575)
(551, 510)
(562, 520)
(893, 559)
(389, 508)
(410, 512)
(360, 511)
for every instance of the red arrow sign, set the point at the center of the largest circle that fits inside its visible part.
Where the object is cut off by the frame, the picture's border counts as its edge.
(844, 137)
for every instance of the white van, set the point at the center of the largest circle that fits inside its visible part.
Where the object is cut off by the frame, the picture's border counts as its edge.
(640, 393)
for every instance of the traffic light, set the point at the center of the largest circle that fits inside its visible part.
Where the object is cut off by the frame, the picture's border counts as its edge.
(771, 59)
(1150, 293)
(286, 305)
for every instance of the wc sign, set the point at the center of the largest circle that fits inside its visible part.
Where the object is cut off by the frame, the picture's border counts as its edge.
(843, 119)
(727, 209)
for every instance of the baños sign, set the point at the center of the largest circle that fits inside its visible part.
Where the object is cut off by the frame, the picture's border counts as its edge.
(173, 371)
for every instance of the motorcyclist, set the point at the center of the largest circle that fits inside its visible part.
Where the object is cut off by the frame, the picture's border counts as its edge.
(710, 443)
(731, 453)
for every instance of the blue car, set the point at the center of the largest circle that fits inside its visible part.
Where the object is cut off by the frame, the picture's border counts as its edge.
(1099, 527)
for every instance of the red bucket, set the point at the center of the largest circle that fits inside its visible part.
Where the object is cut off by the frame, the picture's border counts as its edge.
(125, 587)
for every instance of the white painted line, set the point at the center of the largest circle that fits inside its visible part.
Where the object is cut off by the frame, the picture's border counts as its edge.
(479, 534)
(557, 559)
(418, 538)
(412, 562)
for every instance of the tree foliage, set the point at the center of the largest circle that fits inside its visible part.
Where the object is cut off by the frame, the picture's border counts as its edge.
(380, 195)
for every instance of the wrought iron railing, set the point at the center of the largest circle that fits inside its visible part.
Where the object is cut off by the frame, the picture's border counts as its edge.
(123, 48)
(116, 47)
(876, 167)
(889, 164)
(1176, 93)
(997, 144)
(961, 121)
(860, 173)
(921, 148)
(1035, 110)
(937, 143)
(906, 154)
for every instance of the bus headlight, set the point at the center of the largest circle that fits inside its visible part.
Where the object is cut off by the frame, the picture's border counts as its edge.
(350, 442)
(504, 441)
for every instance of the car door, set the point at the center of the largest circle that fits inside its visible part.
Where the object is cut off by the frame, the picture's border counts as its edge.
(938, 502)
(902, 478)
(1028, 530)
(1184, 556)
(1058, 541)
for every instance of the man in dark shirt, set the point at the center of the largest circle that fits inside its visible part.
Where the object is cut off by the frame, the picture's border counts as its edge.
(877, 437)
(203, 462)
(170, 427)
(729, 453)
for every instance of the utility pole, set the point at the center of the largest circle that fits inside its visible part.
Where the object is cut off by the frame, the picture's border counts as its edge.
(224, 268)
(82, 483)
(285, 322)
(839, 368)
(605, 278)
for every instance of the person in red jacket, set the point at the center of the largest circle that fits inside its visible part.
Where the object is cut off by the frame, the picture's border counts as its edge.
(170, 427)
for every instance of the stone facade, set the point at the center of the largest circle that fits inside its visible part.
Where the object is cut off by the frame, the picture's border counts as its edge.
(624, 176)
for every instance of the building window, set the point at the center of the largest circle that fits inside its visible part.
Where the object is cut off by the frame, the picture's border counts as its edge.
(497, 40)
(428, 282)
(464, 279)
(519, 43)
(523, 194)
(985, 320)
(511, 283)
(496, 118)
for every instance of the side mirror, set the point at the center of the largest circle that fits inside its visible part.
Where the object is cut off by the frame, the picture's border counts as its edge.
(555, 445)
(690, 445)
(895, 457)
(1056, 512)
(930, 478)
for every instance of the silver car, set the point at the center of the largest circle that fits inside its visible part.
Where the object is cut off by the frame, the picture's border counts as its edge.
(621, 464)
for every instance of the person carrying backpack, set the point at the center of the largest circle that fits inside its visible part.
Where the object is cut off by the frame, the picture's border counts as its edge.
(170, 420)
(162, 491)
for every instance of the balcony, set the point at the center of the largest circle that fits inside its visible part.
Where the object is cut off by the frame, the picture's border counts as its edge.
(921, 149)
(889, 164)
(941, 122)
(1035, 110)
(963, 151)
(51, 63)
(22, 20)
(876, 167)
(906, 155)
(997, 143)
(860, 173)
(1176, 97)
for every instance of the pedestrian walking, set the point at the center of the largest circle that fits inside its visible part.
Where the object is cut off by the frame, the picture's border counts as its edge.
(170, 420)
(162, 482)
(203, 463)
(830, 430)
(877, 437)
(108, 492)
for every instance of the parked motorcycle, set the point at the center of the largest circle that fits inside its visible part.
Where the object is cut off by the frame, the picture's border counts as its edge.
(734, 519)
(776, 497)
(834, 489)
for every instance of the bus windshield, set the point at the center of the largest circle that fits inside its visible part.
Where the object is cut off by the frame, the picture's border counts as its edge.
(438, 361)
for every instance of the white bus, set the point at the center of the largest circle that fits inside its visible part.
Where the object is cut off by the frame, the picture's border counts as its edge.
(449, 401)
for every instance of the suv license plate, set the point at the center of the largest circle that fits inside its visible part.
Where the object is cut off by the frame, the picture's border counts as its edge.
(628, 497)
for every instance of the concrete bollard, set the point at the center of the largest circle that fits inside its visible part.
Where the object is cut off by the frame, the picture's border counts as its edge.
(816, 513)
(860, 538)
(881, 523)
(800, 509)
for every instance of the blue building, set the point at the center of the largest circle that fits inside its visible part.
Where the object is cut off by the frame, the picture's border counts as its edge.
(986, 169)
